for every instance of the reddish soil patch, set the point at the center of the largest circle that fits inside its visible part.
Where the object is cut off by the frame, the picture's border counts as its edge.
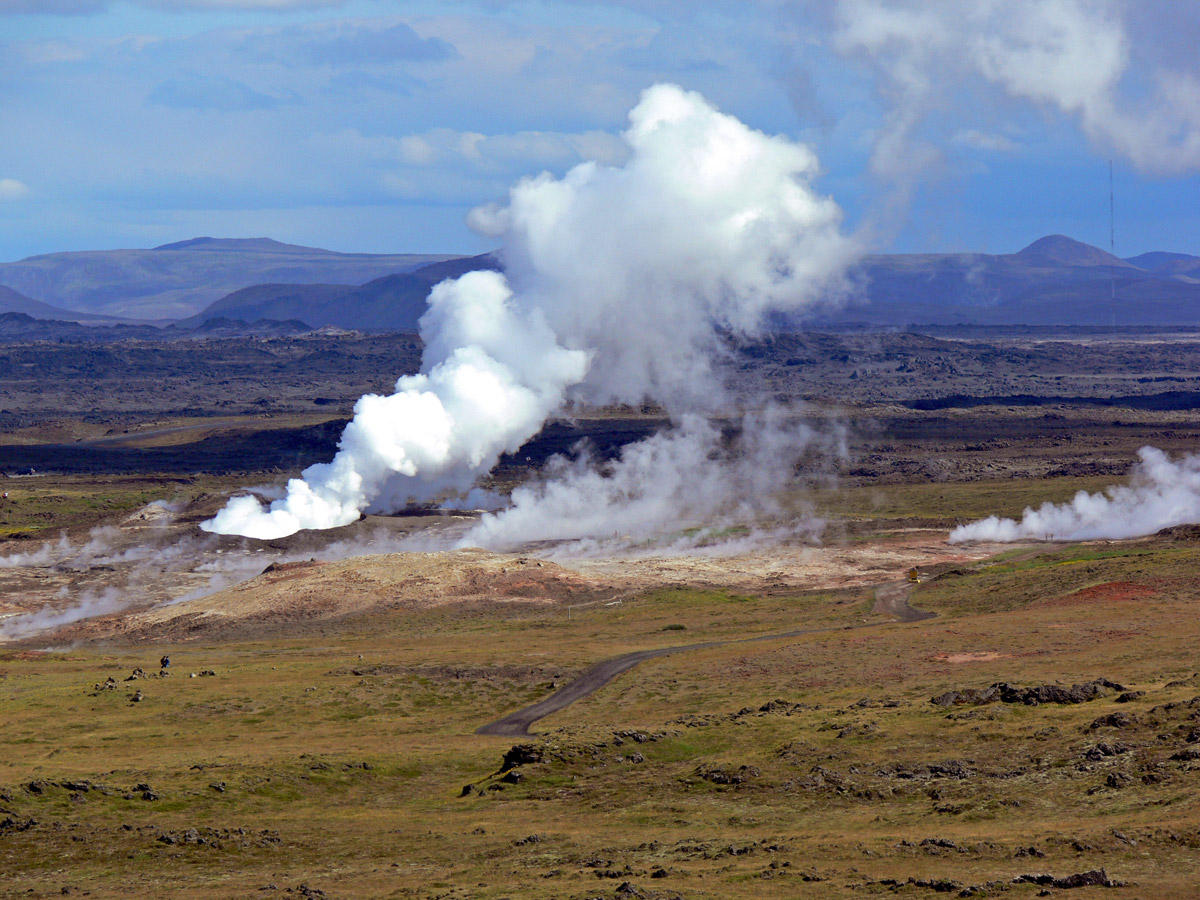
(982, 656)
(1110, 592)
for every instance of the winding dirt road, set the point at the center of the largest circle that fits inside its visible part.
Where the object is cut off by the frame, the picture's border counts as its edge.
(890, 599)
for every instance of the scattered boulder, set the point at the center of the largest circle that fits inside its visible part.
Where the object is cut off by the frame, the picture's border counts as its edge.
(1003, 692)
(722, 775)
(1114, 720)
(1104, 750)
(10, 825)
(522, 755)
(1093, 878)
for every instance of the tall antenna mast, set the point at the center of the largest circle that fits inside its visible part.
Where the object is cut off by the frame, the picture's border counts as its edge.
(1112, 228)
(1112, 243)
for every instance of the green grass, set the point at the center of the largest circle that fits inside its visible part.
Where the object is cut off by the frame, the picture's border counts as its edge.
(286, 727)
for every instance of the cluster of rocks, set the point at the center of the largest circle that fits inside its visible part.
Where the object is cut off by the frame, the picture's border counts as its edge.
(1093, 878)
(770, 708)
(727, 776)
(302, 890)
(1003, 692)
(220, 838)
(79, 787)
(951, 768)
(555, 751)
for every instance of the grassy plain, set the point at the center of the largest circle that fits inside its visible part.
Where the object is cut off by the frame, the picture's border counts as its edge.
(330, 760)
(337, 760)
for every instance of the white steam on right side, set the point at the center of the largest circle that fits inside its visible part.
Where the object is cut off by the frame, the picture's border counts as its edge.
(621, 283)
(1160, 494)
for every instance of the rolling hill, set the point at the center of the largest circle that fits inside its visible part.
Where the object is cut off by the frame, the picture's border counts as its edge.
(390, 303)
(1053, 281)
(13, 302)
(178, 280)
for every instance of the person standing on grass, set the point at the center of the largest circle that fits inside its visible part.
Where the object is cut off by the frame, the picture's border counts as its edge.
(164, 663)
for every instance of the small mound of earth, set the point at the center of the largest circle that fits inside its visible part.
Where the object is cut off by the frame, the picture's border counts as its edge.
(290, 593)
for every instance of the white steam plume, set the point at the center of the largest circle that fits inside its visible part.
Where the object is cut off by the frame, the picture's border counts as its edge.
(621, 281)
(687, 483)
(1160, 493)
(89, 605)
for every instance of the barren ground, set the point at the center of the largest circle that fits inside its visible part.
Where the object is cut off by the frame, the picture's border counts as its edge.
(326, 745)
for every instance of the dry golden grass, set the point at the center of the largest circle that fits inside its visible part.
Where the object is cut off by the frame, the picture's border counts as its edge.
(286, 724)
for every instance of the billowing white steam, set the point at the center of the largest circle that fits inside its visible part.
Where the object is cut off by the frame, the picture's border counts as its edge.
(620, 282)
(687, 482)
(1161, 493)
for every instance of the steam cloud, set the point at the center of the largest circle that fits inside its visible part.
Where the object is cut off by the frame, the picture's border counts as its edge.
(621, 283)
(150, 566)
(1161, 493)
(685, 479)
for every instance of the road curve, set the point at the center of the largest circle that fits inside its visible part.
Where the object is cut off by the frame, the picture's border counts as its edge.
(890, 598)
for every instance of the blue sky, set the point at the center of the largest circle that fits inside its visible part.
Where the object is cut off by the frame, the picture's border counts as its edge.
(376, 125)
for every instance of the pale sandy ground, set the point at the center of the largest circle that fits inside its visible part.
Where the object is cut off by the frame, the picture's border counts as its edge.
(302, 579)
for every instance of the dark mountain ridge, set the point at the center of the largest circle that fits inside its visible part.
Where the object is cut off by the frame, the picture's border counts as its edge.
(177, 280)
(1055, 281)
(390, 303)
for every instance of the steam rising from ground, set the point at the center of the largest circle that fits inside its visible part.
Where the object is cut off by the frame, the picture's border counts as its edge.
(688, 483)
(1161, 493)
(117, 569)
(622, 282)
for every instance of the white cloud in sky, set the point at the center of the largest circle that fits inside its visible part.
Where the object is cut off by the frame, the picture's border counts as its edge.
(1072, 56)
(11, 189)
(51, 7)
(211, 92)
(316, 104)
(986, 140)
(83, 7)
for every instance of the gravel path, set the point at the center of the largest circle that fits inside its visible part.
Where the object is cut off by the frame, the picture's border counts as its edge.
(890, 598)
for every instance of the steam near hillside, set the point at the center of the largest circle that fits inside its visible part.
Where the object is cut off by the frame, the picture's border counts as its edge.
(1160, 493)
(619, 284)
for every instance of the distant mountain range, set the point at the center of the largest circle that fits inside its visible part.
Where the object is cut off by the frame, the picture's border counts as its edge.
(178, 280)
(19, 327)
(390, 303)
(1053, 281)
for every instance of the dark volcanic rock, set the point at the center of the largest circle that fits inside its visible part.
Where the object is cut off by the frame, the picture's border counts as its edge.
(1114, 720)
(1003, 692)
(521, 755)
(1103, 750)
(721, 775)
(1093, 878)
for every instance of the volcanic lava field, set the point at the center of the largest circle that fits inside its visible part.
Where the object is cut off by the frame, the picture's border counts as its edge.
(832, 701)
